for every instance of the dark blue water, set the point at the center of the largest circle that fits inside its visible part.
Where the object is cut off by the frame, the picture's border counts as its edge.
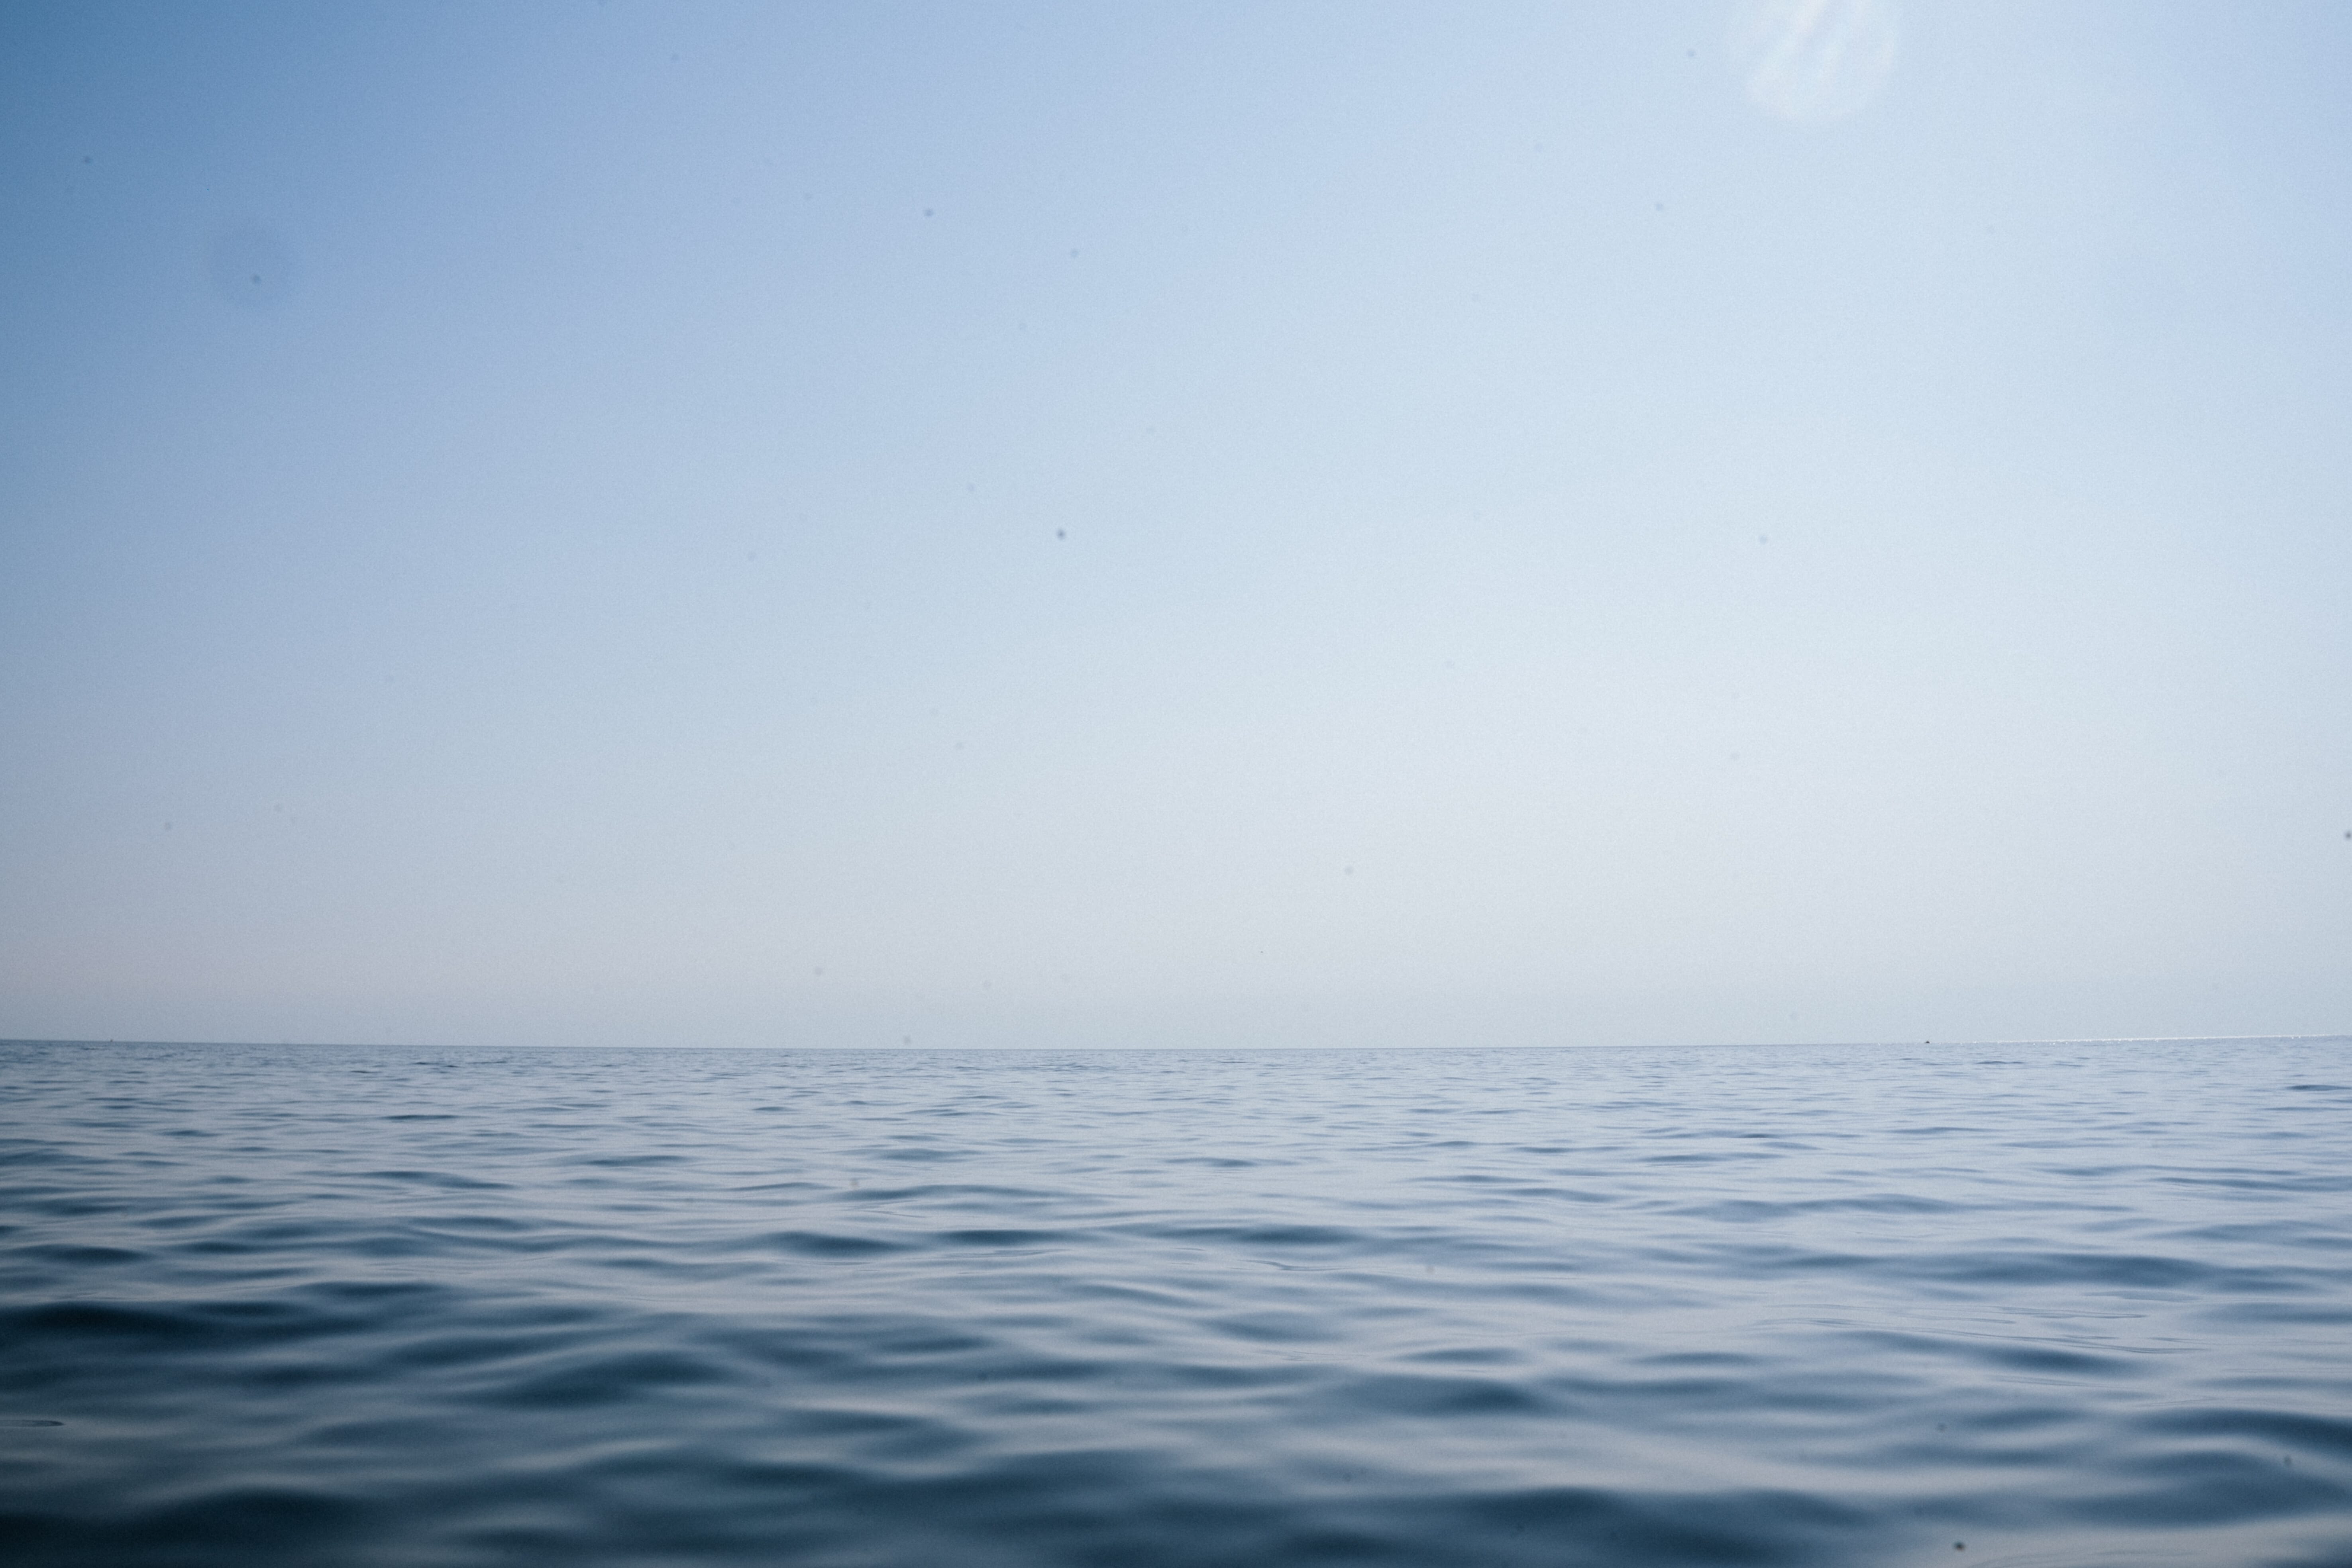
(2019, 1304)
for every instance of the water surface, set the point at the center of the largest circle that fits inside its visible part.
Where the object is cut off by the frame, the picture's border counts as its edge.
(2049, 1304)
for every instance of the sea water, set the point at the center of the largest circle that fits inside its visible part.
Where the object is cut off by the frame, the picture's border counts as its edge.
(2044, 1304)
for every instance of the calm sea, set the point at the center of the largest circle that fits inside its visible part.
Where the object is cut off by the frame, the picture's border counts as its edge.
(2045, 1304)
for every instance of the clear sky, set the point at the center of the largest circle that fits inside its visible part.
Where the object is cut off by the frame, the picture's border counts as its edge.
(1253, 524)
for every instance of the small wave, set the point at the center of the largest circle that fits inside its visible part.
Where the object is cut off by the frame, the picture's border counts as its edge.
(825, 1244)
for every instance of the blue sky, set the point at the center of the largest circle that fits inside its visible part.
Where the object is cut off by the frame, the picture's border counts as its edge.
(1293, 523)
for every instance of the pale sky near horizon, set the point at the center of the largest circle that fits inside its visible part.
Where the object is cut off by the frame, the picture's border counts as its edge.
(1271, 524)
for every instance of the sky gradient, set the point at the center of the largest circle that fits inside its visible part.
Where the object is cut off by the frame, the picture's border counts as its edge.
(1158, 525)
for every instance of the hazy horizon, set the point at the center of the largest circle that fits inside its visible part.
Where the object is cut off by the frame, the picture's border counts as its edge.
(1095, 1044)
(1300, 525)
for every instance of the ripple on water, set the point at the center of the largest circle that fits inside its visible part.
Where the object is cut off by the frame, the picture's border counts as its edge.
(1610, 1308)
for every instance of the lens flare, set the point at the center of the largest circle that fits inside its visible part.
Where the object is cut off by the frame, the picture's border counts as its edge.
(1813, 61)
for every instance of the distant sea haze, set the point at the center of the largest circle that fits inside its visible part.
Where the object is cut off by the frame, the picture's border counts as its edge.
(2027, 1304)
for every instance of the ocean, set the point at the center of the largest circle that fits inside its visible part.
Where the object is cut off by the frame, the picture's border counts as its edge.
(2021, 1304)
